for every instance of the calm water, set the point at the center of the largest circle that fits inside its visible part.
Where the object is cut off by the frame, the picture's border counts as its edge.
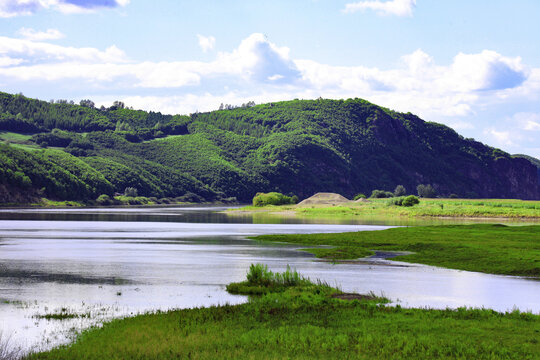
(105, 263)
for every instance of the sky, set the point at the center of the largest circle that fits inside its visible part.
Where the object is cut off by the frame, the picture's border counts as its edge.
(471, 65)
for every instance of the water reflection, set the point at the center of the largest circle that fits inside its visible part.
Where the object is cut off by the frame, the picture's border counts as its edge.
(118, 262)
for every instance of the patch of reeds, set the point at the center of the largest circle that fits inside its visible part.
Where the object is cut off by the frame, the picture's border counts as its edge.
(9, 351)
(261, 280)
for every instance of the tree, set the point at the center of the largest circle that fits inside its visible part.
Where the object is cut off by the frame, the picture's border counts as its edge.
(426, 191)
(87, 103)
(400, 191)
(131, 192)
(378, 194)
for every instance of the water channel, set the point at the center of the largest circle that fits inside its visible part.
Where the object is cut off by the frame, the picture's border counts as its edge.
(106, 263)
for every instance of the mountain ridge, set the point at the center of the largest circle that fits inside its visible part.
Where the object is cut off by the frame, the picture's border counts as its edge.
(298, 146)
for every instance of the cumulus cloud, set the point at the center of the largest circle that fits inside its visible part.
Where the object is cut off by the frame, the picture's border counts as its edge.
(37, 52)
(394, 7)
(255, 60)
(11, 8)
(259, 59)
(487, 71)
(206, 43)
(31, 34)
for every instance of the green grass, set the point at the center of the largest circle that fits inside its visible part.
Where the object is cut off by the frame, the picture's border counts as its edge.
(496, 249)
(14, 137)
(306, 322)
(44, 202)
(464, 208)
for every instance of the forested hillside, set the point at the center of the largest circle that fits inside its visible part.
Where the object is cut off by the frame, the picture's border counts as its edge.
(303, 146)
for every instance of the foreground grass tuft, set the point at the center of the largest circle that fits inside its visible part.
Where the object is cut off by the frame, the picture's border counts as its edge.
(260, 280)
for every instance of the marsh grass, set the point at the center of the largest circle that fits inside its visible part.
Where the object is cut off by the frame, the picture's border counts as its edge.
(496, 249)
(260, 280)
(62, 314)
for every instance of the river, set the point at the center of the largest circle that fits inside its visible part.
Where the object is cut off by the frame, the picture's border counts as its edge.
(99, 264)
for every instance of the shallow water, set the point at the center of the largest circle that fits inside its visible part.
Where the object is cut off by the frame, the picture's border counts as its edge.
(105, 263)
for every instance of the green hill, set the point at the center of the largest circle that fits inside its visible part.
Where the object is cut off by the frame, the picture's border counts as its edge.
(300, 147)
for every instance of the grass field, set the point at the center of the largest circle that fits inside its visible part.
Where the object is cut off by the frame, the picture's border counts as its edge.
(14, 137)
(496, 249)
(306, 321)
(464, 208)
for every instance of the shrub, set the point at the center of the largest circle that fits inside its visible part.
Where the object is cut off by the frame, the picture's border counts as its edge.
(359, 196)
(400, 190)
(404, 201)
(378, 194)
(273, 198)
(453, 196)
(104, 199)
(410, 200)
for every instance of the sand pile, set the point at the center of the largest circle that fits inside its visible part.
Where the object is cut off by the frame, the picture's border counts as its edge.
(324, 199)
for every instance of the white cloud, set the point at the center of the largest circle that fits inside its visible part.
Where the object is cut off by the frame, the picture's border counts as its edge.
(34, 35)
(8, 61)
(11, 8)
(527, 121)
(486, 71)
(206, 43)
(394, 7)
(37, 52)
(501, 138)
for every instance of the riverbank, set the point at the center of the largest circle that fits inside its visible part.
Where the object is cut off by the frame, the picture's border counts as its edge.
(306, 320)
(434, 208)
(488, 248)
(118, 201)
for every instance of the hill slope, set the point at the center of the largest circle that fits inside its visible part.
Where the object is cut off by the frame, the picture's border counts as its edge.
(301, 147)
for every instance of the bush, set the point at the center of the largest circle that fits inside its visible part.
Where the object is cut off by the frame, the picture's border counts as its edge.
(104, 199)
(400, 190)
(359, 196)
(404, 201)
(379, 194)
(273, 198)
(410, 200)
(453, 196)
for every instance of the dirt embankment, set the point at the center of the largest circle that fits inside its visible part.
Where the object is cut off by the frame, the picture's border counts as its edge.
(324, 199)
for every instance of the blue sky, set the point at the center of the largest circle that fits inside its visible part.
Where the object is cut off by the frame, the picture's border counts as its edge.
(473, 65)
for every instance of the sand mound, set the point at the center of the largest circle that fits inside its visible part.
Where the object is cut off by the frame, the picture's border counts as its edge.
(324, 199)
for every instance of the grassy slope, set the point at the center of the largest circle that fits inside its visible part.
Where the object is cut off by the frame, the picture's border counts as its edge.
(495, 249)
(503, 208)
(305, 322)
